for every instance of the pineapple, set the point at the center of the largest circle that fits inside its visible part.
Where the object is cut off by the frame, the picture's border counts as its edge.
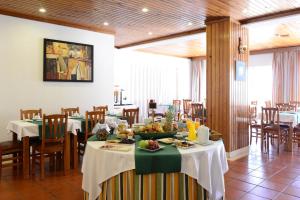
(169, 119)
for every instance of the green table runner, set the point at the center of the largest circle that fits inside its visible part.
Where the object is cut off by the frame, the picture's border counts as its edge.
(40, 129)
(166, 160)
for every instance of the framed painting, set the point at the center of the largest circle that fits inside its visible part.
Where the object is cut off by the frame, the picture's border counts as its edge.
(240, 70)
(68, 61)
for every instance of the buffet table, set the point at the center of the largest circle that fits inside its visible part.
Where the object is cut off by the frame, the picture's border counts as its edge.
(112, 174)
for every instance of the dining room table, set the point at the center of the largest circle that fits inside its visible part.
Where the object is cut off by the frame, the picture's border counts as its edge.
(170, 173)
(23, 130)
(290, 119)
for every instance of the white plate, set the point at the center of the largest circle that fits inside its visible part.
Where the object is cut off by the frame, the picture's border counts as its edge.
(166, 140)
(149, 150)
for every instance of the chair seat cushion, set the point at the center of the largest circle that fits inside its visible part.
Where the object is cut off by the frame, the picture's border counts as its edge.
(10, 147)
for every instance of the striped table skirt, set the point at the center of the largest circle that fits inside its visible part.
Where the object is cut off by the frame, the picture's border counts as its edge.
(160, 186)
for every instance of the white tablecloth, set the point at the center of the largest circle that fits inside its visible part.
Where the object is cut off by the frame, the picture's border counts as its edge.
(207, 164)
(23, 128)
(287, 117)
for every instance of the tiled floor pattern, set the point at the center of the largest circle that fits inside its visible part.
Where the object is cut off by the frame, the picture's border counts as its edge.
(258, 176)
(261, 176)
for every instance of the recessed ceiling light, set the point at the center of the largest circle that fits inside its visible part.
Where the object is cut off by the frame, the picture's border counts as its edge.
(190, 24)
(105, 23)
(150, 33)
(245, 11)
(42, 10)
(145, 10)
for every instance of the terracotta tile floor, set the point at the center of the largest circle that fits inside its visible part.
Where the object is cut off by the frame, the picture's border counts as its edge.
(256, 177)
(261, 176)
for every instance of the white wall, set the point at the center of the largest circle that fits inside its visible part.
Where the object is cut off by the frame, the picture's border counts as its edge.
(21, 65)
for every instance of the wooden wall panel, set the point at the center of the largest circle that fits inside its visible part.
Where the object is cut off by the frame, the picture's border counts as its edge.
(226, 97)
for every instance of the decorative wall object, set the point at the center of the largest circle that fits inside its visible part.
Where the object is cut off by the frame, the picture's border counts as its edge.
(240, 70)
(68, 61)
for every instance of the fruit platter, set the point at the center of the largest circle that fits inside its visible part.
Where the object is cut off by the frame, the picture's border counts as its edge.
(183, 144)
(149, 145)
(154, 131)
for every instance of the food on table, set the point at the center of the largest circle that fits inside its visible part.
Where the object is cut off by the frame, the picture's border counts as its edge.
(183, 144)
(127, 141)
(152, 127)
(152, 145)
(102, 134)
(149, 144)
(143, 144)
(112, 141)
(168, 126)
(167, 140)
(116, 147)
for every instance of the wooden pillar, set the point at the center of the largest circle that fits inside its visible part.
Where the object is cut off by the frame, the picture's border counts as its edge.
(227, 101)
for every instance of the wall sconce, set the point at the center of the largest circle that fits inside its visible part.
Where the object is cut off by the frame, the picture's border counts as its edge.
(242, 48)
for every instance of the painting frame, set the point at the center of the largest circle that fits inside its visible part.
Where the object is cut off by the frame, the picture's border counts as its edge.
(240, 70)
(89, 60)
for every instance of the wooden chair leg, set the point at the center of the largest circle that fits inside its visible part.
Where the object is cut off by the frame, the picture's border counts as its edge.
(250, 135)
(65, 162)
(0, 162)
(42, 165)
(33, 161)
(278, 143)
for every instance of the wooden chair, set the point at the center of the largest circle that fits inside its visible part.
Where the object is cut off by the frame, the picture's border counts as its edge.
(198, 112)
(271, 127)
(69, 111)
(101, 108)
(10, 154)
(296, 134)
(186, 106)
(131, 115)
(254, 126)
(54, 130)
(91, 119)
(295, 103)
(268, 104)
(177, 107)
(29, 114)
(253, 103)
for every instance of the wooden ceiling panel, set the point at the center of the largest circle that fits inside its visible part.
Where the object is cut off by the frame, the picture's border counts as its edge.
(271, 34)
(130, 24)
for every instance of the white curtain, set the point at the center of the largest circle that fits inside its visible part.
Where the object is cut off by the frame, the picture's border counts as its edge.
(149, 76)
(286, 76)
(198, 79)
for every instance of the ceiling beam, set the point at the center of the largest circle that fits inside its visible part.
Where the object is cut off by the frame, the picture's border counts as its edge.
(271, 16)
(53, 21)
(167, 37)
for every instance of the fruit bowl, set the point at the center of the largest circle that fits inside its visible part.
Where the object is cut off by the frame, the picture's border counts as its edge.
(149, 145)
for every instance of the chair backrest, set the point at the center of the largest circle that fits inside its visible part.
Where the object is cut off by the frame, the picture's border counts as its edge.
(253, 103)
(285, 107)
(252, 112)
(268, 104)
(197, 110)
(101, 108)
(29, 114)
(295, 103)
(131, 115)
(91, 119)
(186, 106)
(54, 128)
(69, 111)
(269, 116)
(177, 105)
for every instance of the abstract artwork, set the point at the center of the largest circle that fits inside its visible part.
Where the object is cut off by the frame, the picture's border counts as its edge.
(67, 61)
